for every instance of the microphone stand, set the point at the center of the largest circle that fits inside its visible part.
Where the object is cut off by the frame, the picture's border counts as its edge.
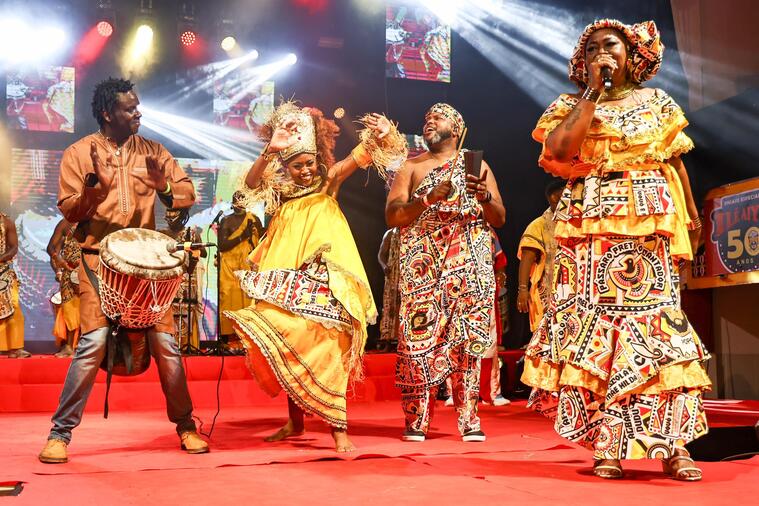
(188, 348)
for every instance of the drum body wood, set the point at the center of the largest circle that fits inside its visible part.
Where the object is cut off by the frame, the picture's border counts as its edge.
(138, 276)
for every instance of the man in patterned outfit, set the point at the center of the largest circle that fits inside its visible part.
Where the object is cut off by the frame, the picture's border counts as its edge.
(447, 282)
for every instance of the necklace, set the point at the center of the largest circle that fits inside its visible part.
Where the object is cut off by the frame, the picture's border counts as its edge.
(620, 92)
(108, 141)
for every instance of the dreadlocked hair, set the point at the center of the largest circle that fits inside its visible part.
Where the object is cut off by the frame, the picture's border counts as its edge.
(105, 96)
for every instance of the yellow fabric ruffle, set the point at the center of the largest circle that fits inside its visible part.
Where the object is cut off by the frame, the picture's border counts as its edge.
(609, 146)
(66, 323)
(231, 297)
(299, 355)
(551, 377)
(633, 140)
(302, 228)
(12, 328)
(311, 362)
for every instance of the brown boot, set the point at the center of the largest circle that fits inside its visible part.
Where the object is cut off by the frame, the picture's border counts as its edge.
(54, 452)
(191, 442)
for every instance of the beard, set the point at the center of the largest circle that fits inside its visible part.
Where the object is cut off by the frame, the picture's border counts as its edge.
(439, 136)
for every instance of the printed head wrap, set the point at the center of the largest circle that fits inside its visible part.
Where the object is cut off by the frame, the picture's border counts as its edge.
(645, 50)
(449, 113)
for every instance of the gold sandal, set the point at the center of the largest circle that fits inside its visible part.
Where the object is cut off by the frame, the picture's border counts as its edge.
(603, 469)
(681, 473)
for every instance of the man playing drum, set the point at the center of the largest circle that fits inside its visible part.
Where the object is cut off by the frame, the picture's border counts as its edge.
(109, 181)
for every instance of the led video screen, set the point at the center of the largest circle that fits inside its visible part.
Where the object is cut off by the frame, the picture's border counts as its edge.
(417, 44)
(242, 104)
(41, 99)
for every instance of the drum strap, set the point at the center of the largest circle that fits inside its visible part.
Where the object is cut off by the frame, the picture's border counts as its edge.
(112, 342)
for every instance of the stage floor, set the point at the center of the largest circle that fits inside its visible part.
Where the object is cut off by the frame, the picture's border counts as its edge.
(134, 458)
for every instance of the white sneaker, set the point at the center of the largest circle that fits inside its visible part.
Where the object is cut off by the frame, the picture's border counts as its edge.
(501, 401)
(475, 436)
(415, 436)
(449, 401)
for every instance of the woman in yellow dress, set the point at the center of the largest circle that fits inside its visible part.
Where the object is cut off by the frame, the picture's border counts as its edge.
(614, 360)
(239, 234)
(11, 317)
(306, 328)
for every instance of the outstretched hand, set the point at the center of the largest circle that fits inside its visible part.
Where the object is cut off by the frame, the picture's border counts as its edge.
(105, 175)
(284, 136)
(378, 123)
(156, 177)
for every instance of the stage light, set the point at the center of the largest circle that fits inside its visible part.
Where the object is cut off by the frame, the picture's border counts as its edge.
(145, 34)
(339, 113)
(446, 10)
(187, 38)
(143, 40)
(228, 43)
(105, 29)
(22, 42)
(291, 59)
(206, 139)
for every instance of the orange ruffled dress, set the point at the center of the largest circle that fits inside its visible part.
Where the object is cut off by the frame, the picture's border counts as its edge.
(615, 361)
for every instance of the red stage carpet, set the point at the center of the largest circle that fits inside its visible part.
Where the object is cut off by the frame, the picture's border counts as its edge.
(134, 457)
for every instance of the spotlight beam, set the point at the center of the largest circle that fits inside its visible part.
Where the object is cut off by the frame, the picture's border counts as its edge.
(205, 139)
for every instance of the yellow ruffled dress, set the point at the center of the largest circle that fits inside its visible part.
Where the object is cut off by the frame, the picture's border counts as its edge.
(306, 328)
(230, 296)
(615, 361)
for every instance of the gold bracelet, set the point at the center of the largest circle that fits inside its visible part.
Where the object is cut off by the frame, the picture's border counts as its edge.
(591, 95)
(694, 224)
(167, 191)
(265, 153)
(361, 156)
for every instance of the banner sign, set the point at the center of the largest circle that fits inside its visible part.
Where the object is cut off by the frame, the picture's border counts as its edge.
(731, 237)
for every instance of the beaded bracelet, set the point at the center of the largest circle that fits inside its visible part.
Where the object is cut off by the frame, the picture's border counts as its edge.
(591, 95)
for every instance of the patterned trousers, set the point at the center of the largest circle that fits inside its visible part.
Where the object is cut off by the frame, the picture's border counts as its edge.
(418, 403)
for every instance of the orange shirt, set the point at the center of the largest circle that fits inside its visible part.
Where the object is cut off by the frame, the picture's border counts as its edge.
(129, 203)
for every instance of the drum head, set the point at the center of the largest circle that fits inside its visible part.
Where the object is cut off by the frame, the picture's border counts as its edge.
(141, 252)
(56, 298)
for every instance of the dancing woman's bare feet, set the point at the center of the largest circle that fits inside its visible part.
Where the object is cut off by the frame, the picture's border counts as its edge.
(289, 430)
(342, 443)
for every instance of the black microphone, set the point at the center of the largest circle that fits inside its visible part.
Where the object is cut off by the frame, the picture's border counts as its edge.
(187, 246)
(606, 76)
(218, 216)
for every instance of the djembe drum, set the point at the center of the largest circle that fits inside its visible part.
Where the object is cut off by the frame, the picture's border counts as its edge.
(138, 276)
